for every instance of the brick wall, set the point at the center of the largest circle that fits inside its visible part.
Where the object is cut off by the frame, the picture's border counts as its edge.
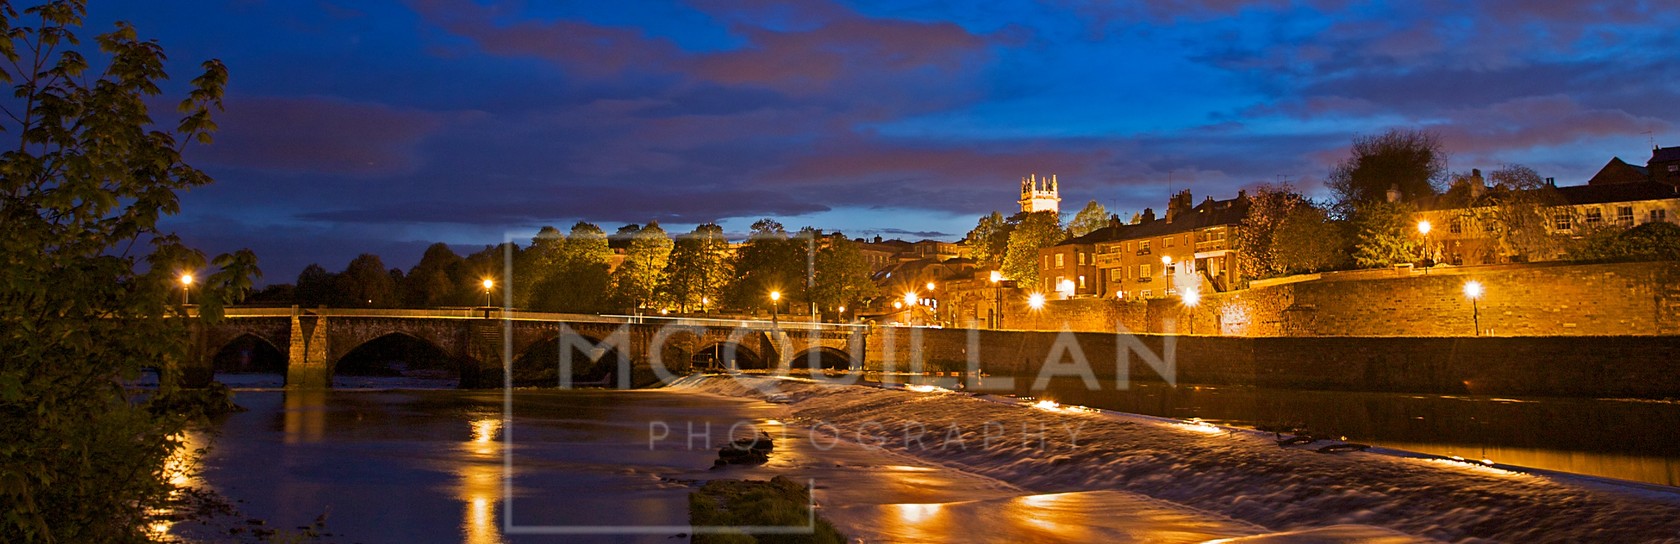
(1626, 366)
(1519, 300)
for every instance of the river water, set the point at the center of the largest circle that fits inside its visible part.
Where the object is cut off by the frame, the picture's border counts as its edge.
(1626, 439)
(394, 460)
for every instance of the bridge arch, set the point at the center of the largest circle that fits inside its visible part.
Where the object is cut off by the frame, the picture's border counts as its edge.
(398, 353)
(823, 358)
(725, 354)
(595, 359)
(249, 353)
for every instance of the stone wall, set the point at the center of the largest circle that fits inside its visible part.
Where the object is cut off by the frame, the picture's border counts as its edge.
(1625, 366)
(1620, 299)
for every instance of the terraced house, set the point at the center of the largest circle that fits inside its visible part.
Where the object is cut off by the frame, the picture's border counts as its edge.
(1192, 247)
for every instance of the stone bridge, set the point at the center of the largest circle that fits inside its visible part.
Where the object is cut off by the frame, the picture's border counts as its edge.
(562, 349)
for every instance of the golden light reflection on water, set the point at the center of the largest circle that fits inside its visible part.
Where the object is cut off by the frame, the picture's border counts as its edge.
(480, 483)
(305, 415)
(180, 469)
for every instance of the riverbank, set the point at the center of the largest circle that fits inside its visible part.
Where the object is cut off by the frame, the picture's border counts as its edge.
(1245, 476)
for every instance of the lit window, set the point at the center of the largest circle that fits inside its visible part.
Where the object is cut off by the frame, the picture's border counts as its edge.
(1143, 245)
(1081, 281)
(1624, 216)
(1147, 293)
(1058, 260)
(1595, 217)
(1114, 274)
(1081, 257)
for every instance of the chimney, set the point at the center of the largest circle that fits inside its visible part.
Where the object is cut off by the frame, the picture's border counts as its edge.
(1551, 182)
(1394, 193)
(1148, 215)
(1178, 205)
(1478, 186)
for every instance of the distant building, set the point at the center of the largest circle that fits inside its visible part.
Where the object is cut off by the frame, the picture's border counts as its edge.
(1664, 165)
(1040, 194)
(1150, 258)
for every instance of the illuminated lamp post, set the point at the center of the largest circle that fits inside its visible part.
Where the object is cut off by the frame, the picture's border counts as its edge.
(488, 285)
(1473, 291)
(1424, 227)
(997, 306)
(775, 303)
(1191, 297)
(186, 285)
(1035, 301)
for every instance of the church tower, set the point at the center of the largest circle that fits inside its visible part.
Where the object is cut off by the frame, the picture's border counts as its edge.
(1040, 194)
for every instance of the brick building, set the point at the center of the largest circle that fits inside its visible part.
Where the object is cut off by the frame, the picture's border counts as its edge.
(1193, 245)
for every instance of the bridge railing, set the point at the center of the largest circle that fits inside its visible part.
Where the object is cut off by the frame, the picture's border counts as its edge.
(523, 315)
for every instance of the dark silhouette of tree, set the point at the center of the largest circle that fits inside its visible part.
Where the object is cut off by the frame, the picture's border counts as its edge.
(366, 283)
(318, 287)
(431, 283)
(537, 262)
(1409, 160)
(768, 261)
(90, 290)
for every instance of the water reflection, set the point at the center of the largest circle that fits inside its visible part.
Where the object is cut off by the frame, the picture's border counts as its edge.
(480, 482)
(305, 415)
(180, 469)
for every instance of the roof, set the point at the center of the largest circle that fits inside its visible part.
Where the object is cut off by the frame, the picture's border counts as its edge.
(1619, 171)
(1210, 213)
(1665, 154)
(1618, 192)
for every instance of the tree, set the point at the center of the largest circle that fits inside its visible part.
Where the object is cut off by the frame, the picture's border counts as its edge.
(366, 283)
(1515, 212)
(1090, 218)
(638, 278)
(318, 287)
(1267, 208)
(1037, 230)
(581, 281)
(431, 283)
(1387, 235)
(1657, 241)
(768, 261)
(842, 276)
(1308, 241)
(698, 268)
(485, 264)
(89, 282)
(1409, 160)
(537, 262)
(989, 241)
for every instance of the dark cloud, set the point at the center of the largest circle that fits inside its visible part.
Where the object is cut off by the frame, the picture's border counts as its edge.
(319, 134)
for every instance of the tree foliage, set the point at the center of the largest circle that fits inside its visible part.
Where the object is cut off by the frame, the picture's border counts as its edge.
(89, 281)
(842, 276)
(638, 278)
(1257, 236)
(768, 261)
(536, 263)
(989, 241)
(1090, 218)
(581, 279)
(1387, 235)
(1410, 160)
(1656, 241)
(1514, 212)
(698, 268)
(1037, 230)
(1308, 241)
(431, 283)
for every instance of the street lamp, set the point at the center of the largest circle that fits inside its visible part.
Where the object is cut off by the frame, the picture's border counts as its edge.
(186, 285)
(1473, 291)
(1190, 296)
(775, 303)
(1035, 301)
(1166, 262)
(488, 285)
(1424, 227)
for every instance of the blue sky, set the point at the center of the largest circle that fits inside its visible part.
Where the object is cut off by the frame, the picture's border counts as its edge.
(383, 126)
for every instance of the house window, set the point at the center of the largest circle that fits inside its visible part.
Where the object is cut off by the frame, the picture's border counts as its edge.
(1166, 241)
(1187, 239)
(1456, 227)
(1659, 215)
(1674, 167)
(1147, 293)
(1561, 221)
(1595, 217)
(1143, 271)
(1058, 260)
(1081, 281)
(1081, 257)
(1114, 274)
(1143, 246)
(1046, 262)
(1624, 216)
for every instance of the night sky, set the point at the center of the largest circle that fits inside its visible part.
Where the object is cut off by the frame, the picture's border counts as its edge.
(382, 126)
